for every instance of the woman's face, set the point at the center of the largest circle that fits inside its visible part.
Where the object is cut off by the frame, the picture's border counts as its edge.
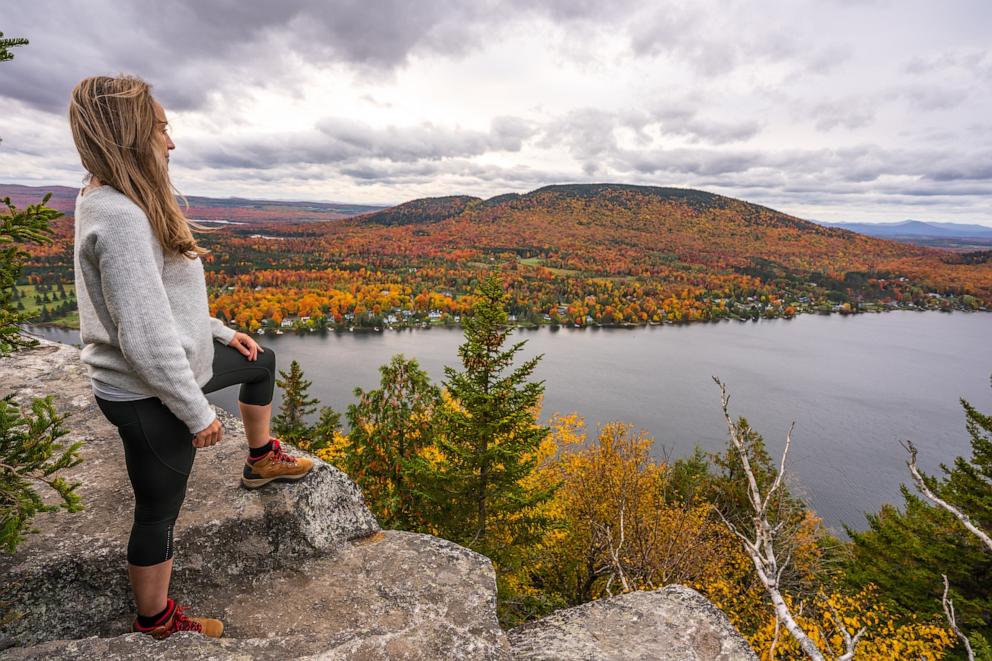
(162, 139)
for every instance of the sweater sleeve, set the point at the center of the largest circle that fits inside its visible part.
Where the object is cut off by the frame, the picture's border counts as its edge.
(221, 332)
(136, 300)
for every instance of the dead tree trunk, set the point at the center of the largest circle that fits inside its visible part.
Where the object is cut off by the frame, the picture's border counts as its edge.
(760, 542)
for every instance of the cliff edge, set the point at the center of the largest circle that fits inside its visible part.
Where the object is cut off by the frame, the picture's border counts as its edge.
(295, 571)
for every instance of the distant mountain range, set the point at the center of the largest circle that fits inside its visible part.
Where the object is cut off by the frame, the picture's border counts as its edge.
(231, 209)
(437, 208)
(916, 228)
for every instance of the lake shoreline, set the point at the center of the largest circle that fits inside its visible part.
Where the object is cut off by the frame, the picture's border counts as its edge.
(557, 326)
(856, 385)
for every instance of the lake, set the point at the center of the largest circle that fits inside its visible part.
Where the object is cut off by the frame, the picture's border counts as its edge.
(855, 386)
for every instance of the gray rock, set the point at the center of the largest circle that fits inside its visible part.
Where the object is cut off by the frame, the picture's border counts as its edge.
(673, 623)
(295, 571)
(394, 595)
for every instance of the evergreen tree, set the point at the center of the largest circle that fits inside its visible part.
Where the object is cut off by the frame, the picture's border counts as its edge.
(30, 453)
(728, 486)
(18, 227)
(322, 434)
(905, 551)
(489, 442)
(290, 425)
(7, 44)
(389, 426)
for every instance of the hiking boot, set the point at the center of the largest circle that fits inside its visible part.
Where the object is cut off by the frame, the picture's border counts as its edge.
(175, 620)
(274, 465)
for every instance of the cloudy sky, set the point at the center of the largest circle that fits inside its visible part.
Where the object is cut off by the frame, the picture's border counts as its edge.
(828, 109)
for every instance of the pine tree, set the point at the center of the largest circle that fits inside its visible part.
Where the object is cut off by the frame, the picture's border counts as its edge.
(7, 44)
(905, 551)
(322, 434)
(727, 487)
(30, 453)
(490, 440)
(17, 227)
(389, 427)
(290, 424)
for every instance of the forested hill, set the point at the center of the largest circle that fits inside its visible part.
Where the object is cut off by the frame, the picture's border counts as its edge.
(690, 236)
(591, 196)
(606, 254)
(616, 229)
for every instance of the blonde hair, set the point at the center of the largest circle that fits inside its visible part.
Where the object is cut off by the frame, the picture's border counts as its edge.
(114, 125)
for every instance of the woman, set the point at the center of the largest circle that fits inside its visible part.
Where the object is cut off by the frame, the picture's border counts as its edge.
(148, 336)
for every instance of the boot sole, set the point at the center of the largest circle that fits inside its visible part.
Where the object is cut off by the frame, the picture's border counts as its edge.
(255, 483)
(220, 633)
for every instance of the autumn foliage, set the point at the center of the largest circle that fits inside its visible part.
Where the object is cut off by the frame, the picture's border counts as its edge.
(612, 515)
(607, 254)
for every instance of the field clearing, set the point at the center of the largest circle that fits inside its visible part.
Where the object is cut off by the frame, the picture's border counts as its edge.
(538, 262)
(28, 292)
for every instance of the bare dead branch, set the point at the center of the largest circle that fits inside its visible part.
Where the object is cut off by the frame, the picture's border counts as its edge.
(778, 630)
(762, 549)
(850, 642)
(614, 568)
(952, 621)
(933, 498)
(781, 471)
(615, 553)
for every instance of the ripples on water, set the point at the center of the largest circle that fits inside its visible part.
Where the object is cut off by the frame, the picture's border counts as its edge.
(854, 385)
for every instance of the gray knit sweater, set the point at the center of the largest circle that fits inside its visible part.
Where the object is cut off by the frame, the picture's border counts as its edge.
(143, 315)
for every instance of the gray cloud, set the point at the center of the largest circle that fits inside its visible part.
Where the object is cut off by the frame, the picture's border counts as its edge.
(195, 50)
(853, 169)
(716, 43)
(724, 95)
(337, 140)
(192, 49)
(932, 96)
(591, 133)
(849, 113)
(976, 62)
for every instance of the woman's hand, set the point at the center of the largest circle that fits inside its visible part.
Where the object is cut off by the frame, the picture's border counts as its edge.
(246, 345)
(209, 436)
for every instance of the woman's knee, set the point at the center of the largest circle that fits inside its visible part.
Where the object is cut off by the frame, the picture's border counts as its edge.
(151, 540)
(267, 359)
(259, 391)
(150, 543)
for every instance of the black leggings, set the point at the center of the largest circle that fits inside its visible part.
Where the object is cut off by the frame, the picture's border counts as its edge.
(159, 452)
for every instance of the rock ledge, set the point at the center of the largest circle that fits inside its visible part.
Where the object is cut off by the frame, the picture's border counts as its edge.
(295, 571)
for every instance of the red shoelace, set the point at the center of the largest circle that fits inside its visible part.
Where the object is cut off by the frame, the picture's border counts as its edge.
(182, 623)
(279, 456)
